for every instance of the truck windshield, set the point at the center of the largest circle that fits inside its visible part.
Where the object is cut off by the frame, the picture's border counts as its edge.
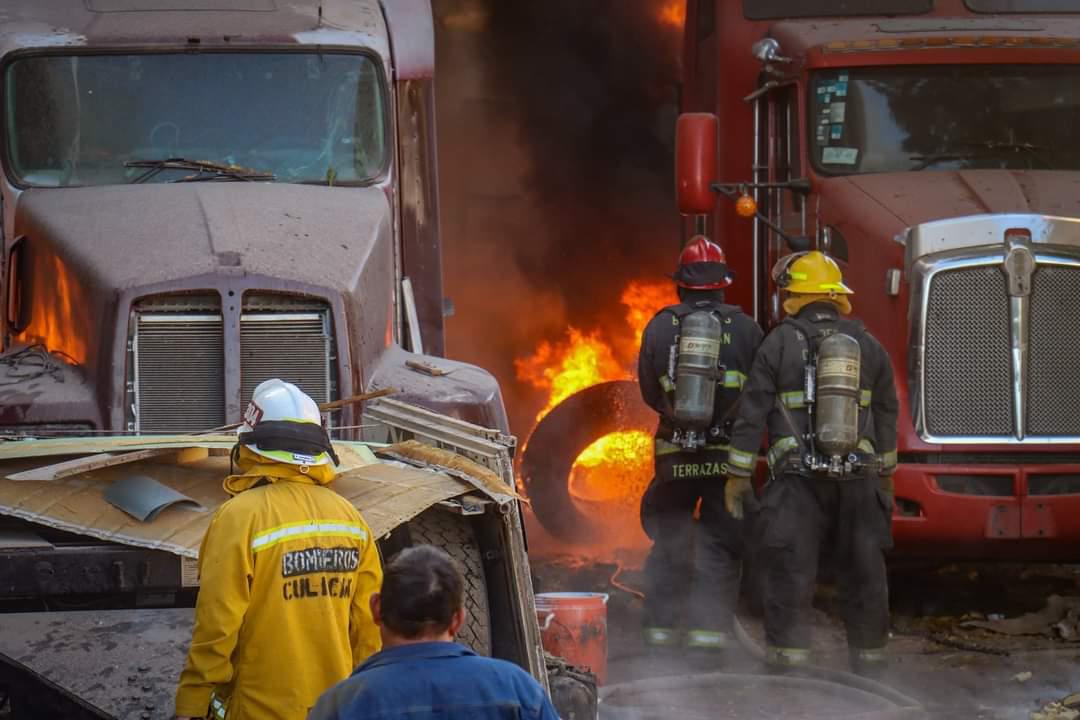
(945, 117)
(301, 117)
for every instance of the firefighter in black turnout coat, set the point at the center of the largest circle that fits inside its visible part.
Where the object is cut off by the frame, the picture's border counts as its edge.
(824, 388)
(693, 363)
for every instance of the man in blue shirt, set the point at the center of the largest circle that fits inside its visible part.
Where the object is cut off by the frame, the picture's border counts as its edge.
(421, 672)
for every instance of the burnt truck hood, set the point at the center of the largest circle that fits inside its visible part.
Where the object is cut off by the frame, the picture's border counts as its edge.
(905, 199)
(120, 237)
(86, 255)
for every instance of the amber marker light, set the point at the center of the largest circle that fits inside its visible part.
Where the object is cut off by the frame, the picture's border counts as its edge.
(745, 206)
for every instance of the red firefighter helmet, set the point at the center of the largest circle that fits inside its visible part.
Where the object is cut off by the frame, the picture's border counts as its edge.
(702, 266)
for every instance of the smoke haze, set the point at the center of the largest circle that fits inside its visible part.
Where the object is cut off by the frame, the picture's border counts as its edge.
(556, 122)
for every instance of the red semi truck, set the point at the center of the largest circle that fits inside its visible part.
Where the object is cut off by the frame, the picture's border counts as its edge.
(930, 147)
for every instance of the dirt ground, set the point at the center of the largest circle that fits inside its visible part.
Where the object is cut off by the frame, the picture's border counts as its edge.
(938, 656)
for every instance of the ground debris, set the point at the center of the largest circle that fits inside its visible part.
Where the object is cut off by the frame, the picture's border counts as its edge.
(1059, 618)
(1022, 676)
(1055, 711)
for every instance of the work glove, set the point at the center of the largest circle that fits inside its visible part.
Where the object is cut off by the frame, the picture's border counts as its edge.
(735, 491)
(888, 488)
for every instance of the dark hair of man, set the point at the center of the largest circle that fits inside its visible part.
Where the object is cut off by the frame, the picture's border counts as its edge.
(687, 295)
(422, 589)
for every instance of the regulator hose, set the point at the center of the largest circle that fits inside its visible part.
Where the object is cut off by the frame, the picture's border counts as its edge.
(886, 702)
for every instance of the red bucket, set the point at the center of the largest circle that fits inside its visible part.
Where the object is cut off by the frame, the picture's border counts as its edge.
(573, 625)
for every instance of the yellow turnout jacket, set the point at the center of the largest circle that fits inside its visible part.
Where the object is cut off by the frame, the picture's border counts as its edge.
(286, 571)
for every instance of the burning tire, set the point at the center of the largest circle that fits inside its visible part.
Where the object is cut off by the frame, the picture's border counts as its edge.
(561, 437)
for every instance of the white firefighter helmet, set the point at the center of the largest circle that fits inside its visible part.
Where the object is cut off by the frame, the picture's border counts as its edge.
(283, 423)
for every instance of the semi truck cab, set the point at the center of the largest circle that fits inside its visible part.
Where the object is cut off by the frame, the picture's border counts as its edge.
(926, 145)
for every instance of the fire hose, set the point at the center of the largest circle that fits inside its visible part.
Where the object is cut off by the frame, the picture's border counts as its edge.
(891, 703)
(887, 702)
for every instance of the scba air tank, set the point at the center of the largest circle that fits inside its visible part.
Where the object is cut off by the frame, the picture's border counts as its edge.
(697, 369)
(836, 420)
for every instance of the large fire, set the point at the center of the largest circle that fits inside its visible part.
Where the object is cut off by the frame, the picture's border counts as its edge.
(615, 468)
(584, 359)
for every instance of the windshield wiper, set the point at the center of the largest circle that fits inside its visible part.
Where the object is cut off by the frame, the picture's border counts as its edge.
(981, 149)
(1006, 145)
(203, 170)
(925, 161)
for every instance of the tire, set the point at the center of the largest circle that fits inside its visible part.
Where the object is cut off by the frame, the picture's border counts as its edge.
(455, 535)
(561, 436)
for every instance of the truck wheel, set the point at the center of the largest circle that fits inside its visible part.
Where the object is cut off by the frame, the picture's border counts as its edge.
(454, 534)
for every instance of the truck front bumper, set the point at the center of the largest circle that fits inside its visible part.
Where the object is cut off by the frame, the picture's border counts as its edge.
(999, 511)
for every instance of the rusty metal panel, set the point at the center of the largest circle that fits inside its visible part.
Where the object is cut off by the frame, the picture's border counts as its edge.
(124, 662)
(412, 35)
(421, 249)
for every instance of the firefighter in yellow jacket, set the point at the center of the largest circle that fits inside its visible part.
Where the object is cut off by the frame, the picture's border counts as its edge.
(286, 570)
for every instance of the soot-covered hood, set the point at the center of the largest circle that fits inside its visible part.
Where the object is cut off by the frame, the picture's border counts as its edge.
(119, 237)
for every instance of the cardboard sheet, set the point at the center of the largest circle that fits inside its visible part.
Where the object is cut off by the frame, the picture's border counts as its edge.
(386, 493)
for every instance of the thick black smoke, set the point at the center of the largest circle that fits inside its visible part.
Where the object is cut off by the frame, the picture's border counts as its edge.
(556, 120)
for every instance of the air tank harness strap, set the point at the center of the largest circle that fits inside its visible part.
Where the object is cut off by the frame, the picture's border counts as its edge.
(782, 459)
(796, 399)
(732, 380)
(664, 447)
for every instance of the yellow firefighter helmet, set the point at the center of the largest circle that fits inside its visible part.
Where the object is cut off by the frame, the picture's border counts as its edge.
(810, 273)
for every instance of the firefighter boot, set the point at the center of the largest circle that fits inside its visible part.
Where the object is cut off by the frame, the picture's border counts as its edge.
(660, 637)
(868, 662)
(713, 647)
(779, 660)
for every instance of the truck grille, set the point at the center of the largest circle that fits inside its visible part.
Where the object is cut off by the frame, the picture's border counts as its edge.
(1054, 374)
(968, 371)
(177, 356)
(290, 341)
(179, 370)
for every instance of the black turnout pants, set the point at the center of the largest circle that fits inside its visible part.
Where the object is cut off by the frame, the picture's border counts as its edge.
(849, 519)
(693, 568)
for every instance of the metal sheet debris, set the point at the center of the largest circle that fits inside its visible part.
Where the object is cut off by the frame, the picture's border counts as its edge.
(143, 497)
(386, 493)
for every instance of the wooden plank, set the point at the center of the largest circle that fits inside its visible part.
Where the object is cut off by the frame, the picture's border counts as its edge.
(86, 464)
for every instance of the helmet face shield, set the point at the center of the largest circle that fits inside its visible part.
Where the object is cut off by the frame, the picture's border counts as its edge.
(810, 273)
(780, 272)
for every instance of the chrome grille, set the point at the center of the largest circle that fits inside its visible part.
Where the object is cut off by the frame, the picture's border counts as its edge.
(968, 371)
(179, 370)
(287, 338)
(1054, 375)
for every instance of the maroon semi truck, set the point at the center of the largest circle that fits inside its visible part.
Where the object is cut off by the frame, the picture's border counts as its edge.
(930, 147)
(201, 195)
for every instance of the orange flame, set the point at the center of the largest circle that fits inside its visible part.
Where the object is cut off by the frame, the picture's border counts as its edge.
(673, 13)
(567, 367)
(643, 300)
(57, 316)
(582, 360)
(614, 468)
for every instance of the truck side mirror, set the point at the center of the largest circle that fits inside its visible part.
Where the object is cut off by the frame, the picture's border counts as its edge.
(696, 138)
